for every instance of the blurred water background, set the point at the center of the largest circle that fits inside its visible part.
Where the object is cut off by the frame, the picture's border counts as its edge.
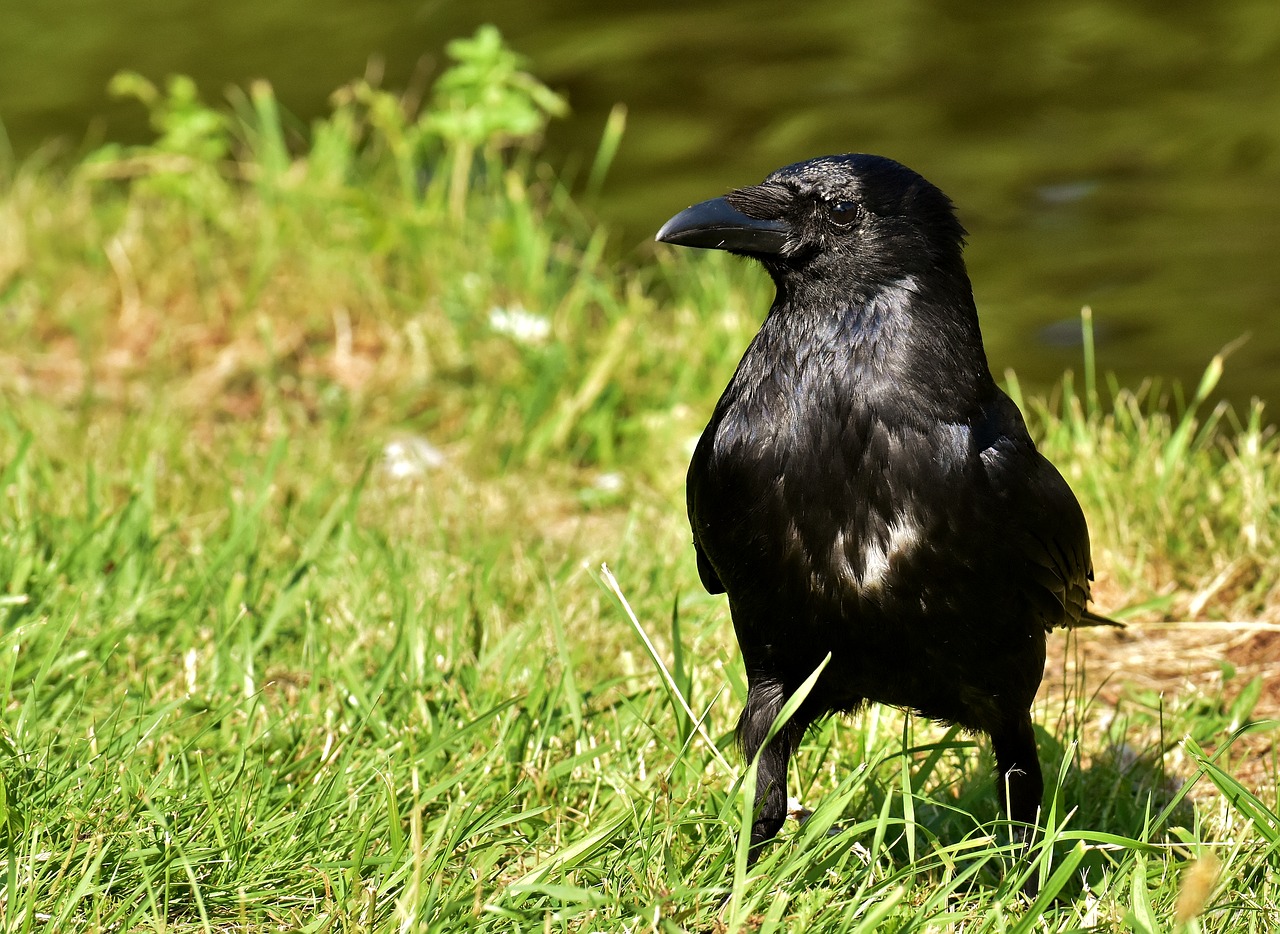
(1124, 155)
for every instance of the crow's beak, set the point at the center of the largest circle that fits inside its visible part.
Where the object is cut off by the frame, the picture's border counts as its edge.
(718, 225)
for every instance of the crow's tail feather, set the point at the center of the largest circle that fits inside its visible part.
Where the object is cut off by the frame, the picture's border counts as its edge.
(1089, 618)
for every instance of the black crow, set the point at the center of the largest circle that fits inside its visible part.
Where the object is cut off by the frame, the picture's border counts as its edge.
(865, 489)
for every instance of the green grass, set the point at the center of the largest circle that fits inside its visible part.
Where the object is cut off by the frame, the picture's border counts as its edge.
(254, 679)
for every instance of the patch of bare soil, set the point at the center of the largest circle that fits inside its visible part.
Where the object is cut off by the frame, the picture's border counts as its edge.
(1175, 659)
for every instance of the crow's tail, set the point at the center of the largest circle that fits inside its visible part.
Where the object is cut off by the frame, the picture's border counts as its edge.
(1089, 618)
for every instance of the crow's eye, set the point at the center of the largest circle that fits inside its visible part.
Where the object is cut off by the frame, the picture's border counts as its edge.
(843, 213)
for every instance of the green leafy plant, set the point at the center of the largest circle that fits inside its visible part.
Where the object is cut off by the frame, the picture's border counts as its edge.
(485, 102)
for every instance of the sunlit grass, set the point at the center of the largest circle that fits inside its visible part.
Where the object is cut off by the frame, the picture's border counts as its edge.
(256, 676)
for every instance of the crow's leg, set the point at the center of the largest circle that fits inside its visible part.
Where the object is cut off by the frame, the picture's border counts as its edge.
(1021, 787)
(765, 698)
(1018, 770)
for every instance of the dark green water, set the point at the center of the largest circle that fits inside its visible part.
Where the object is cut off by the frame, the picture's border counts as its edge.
(1124, 155)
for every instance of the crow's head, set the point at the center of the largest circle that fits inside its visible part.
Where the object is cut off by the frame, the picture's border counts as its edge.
(856, 216)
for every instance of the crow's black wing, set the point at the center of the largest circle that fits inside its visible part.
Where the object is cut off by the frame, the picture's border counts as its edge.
(1046, 526)
(1056, 542)
(706, 572)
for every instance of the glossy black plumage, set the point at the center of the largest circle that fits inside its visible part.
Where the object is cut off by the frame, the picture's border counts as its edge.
(865, 489)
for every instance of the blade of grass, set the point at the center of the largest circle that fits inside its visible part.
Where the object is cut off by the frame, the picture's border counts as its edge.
(673, 689)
